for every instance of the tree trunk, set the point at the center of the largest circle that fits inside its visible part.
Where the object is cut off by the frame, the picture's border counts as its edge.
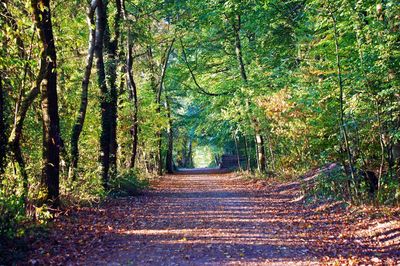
(80, 120)
(261, 161)
(237, 151)
(247, 153)
(133, 97)
(3, 140)
(341, 101)
(259, 139)
(158, 101)
(101, 22)
(111, 47)
(189, 160)
(49, 102)
(169, 157)
(238, 49)
(23, 105)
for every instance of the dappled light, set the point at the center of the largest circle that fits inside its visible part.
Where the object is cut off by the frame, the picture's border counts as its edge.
(214, 219)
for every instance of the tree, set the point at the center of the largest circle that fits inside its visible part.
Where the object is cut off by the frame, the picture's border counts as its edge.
(49, 101)
(80, 120)
(101, 22)
(3, 139)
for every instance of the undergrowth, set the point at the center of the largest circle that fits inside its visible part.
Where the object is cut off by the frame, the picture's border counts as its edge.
(128, 183)
(335, 185)
(18, 223)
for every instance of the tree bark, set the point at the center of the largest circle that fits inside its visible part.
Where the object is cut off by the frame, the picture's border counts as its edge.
(49, 102)
(169, 157)
(132, 89)
(237, 151)
(247, 153)
(238, 48)
(80, 120)
(3, 140)
(261, 161)
(101, 22)
(189, 160)
(133, 97)
(158, 101)
(260, 152)
(111, 47)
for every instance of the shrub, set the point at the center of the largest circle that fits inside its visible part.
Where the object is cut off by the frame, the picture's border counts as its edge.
(329, 185)
(128, 183)
(12, 213)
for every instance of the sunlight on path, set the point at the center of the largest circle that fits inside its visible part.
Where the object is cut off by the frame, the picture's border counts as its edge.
(208, 219)
(213, 220)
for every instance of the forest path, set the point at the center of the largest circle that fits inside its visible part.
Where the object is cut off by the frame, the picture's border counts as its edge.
(204, 220)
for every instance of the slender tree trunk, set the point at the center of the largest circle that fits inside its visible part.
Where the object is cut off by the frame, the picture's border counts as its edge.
(159, 161)
(133, 97)
(3, 140)
(260, 149)
(247, 153)
(341, 101)
(132, 89)
(271, 151)
(80, 120)
(158, 101)
(49, 102)
(238, 48)
(189, 161)
(169, 157)
(22, 104)
(237, 151)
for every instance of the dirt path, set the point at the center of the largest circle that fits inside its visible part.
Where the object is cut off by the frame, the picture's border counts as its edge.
(208, 220)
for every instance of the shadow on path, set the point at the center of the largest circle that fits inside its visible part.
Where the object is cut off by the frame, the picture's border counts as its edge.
(207, 220)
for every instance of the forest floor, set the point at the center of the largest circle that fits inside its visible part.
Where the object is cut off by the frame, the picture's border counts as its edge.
(219, 219)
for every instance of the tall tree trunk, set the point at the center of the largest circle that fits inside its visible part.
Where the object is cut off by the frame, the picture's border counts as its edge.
(189, 160)
(261, 162)
(132, 89)
(247, 153)
(111, 47)
(158, 101)
(238, 48)
(3, 140)
(23, 105)
(80, 120)
(49, 102)
(133, 97)
(237, 151)
(101, 21)
(169, 157)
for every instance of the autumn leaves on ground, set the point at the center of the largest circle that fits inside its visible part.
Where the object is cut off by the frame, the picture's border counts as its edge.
(218, 219)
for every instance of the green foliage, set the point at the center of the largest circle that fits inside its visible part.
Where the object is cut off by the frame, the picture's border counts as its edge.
(128, 183)
(332, 185)
(12, 213)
